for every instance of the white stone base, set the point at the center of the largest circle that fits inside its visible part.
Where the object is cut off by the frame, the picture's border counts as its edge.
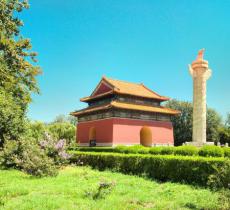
(114, 145)
(199, 144)
(98, 144)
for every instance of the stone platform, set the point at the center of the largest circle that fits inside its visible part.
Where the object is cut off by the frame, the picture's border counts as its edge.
(199, 144)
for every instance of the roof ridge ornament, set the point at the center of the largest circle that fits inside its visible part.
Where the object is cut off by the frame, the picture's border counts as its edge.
(200, 56)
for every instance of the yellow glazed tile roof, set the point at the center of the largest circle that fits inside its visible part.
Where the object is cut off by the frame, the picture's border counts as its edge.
(134, 89)
(127, 88)
(90, 109)
(144, 108)
(128, 106)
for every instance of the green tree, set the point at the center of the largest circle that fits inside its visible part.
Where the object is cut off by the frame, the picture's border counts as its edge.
(183, 123)
(11, 118)
(62, 118)
(35, 130)
(224, 135)
(63, 130)
(72, 120)
(224, 131)
(17, 66)
(227, 122)
(213, 125)
(57, 130)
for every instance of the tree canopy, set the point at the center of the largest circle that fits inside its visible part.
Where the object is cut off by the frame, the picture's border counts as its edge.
(18, 71)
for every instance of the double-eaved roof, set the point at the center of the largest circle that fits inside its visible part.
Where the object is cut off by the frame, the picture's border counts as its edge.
(128, 106)
(110, 86)
(125, 88)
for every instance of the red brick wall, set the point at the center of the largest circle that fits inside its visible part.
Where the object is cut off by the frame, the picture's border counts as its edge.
(124, 131)
(127, 131)
(104, 131)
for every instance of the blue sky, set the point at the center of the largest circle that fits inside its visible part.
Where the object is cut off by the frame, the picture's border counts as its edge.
(147, 41)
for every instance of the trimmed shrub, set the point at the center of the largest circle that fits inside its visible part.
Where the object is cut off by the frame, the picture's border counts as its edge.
(167, 150)
(163, 150)
(193, 170)
(211, 151)
(226, 152)
(221, 177)
(121, 149)
(155, 150)
(132, 149)
(125, 149)
(186, 150)
(143, 150)
(95, 149)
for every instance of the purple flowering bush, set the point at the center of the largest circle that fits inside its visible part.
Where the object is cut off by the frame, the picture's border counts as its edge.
(27, 156)
(38, 159)
(55, 149)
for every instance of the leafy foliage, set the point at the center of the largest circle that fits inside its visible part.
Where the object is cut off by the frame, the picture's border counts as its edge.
(213, 125)
(182, 124)
(56, 130)
(15, 51)
(227, 123)
(64, 119)
(18, 71)
(224, 135)
(35, 130)
(11, 118)
(63, 130)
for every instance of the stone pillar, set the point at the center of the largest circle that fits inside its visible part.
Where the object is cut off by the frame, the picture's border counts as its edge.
(200, 74)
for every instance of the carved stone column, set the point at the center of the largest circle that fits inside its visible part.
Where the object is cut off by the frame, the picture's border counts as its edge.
(200, 74)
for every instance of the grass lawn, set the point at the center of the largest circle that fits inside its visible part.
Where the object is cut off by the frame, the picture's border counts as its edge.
(77, 188)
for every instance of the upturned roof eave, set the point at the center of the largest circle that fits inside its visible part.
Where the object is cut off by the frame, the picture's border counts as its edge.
(88, 110)
(90, 98)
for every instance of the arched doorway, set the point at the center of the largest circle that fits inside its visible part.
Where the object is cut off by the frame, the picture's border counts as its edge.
(92, 136)
(146, 136)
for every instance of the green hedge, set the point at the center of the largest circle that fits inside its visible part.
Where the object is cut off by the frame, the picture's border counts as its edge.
(186, 150)
(162, 150)
(226, 152)
(95, 149)
(211, 151)
(192, 170)
(136, 149)
(206, 151)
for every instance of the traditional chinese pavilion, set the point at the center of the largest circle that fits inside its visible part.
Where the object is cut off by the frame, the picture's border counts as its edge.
(125, 113)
